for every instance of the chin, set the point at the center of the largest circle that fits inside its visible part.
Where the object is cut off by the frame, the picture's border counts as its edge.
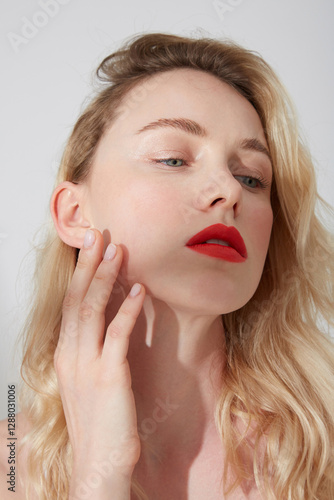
(204, 295)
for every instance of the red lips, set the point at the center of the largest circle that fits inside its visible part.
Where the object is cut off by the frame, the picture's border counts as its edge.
(234, 252)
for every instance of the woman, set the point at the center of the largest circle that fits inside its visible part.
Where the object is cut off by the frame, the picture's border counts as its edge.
(178, 353)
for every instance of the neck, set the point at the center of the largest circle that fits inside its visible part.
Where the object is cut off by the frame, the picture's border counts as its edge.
(176, 360)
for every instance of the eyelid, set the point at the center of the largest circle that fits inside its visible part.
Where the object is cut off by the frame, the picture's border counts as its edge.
(258, 163)
(170, 153)
(243, 169)
(250, 174)
(264, 183)
(161, 160)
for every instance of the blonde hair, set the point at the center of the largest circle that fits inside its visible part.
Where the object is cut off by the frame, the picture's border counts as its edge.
(279, 374)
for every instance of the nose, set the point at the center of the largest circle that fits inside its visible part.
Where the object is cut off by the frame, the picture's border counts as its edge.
(220, 189)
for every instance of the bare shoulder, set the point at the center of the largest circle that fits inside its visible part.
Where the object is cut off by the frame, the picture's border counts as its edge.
(12, 468)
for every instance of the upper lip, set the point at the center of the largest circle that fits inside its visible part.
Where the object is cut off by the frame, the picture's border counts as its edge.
(220, 232)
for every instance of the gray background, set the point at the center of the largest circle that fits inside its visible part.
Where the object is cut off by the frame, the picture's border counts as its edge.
(47, 74)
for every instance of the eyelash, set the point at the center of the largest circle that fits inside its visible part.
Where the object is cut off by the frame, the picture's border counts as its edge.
(263, 183)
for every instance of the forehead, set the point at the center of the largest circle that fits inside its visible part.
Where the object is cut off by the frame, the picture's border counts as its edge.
(177, 77)
(191, 93)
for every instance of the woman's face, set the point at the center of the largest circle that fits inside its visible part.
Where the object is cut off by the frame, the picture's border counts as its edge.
(154, 189)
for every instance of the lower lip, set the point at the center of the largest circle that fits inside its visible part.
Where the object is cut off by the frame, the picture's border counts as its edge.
(218, 251)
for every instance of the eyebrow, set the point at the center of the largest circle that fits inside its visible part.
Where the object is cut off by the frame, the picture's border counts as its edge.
(254, 145)
(184, 124)
(192, 127)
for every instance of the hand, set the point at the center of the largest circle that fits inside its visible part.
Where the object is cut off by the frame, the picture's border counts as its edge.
(92, 369)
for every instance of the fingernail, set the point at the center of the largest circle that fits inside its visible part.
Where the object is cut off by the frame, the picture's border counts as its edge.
(89, 238)
(135, 289)
(110, 252)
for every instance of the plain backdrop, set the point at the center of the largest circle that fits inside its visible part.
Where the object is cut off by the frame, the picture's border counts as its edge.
(49, 51)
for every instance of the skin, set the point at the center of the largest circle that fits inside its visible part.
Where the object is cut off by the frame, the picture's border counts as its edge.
(150, 210)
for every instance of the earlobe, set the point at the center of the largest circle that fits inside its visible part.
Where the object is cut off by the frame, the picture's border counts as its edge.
(66, 207)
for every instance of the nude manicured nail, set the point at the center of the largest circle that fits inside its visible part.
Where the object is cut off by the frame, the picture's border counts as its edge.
(110, 252)
(135, 289)
(89, 238)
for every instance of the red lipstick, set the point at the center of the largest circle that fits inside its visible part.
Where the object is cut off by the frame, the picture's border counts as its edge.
(230, 247)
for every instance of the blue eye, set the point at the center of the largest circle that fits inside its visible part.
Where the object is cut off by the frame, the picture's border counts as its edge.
(174, 162)
(252, 182)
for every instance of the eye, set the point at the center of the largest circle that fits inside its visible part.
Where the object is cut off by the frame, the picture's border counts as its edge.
(173, 162)
(253, 182)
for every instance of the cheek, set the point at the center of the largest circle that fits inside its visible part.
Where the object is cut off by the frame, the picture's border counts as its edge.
(261, 221)
(141, 212)
(149, 206)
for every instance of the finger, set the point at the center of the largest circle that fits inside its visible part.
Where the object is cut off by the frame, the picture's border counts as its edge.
(92, 309)
(118, 333)
(88, 261)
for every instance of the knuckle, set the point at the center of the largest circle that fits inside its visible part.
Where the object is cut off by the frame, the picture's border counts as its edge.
(102, 298)
(70, 329)
(82, 262)
(68, 332)
(114, 330)
(86, 312)
(99, 276)
(126, 314)
(70, 300)
(106, 275)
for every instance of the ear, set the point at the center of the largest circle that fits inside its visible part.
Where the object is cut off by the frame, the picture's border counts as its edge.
(66, 207)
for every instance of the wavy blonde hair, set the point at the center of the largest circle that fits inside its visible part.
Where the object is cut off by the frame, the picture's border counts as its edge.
(279, 374)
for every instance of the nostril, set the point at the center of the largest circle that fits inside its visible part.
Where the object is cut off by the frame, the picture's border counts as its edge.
(217, 199)
(236, 209)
